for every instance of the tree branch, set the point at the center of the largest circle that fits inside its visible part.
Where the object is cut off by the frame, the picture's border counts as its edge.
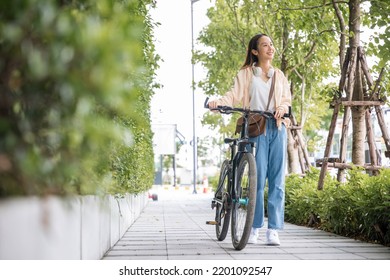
(342, 34)
(314, 44)
(234, 11)
(314, 7)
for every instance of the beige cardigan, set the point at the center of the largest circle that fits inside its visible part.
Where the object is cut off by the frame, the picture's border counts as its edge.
(239, 95)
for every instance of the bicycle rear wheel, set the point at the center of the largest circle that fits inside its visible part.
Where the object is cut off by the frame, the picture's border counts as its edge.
(244, 202)
(222, 209)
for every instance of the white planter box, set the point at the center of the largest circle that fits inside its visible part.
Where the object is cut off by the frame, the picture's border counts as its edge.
(73, 228)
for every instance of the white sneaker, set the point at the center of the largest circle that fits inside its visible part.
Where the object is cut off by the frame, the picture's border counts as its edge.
(253, 236)
(272, 237)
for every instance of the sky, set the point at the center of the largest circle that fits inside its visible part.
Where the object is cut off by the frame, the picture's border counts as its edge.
(173, 103)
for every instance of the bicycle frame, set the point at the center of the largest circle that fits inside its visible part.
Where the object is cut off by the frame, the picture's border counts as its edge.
(238, 146)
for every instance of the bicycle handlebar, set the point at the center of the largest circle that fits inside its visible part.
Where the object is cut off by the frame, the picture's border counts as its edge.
(229, 110)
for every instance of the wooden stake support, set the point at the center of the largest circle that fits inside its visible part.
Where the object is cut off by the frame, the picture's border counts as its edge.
(371, 100)
(296, 132)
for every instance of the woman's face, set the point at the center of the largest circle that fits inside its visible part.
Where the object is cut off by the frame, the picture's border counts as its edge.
(265, 49)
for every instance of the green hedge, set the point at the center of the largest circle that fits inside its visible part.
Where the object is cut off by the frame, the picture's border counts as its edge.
(359, 208)
(75, 88)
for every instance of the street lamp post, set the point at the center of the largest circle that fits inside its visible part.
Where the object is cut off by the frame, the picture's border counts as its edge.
(194, 140)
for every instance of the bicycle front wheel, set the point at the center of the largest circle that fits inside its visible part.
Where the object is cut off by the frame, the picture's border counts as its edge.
(244, 201)
(222, 209)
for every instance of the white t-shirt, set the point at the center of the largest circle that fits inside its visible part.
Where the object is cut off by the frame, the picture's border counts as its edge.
(259, 93)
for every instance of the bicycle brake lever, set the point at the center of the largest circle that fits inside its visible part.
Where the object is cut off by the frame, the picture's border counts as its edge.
(287, 115)
(206, 103)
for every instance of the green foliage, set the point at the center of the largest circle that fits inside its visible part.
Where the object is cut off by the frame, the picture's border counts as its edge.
(133, 165)
(359, 208)
(319, 119)
(302, 198)
(376, 17)
(69, 71)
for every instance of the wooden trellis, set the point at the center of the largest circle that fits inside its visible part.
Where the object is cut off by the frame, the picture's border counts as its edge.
(371, 100)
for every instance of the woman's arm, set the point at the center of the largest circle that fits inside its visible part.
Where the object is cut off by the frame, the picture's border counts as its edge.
(235, 95)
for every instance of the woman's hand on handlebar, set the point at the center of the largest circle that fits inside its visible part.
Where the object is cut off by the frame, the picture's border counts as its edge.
(279, 113)
(212, 104)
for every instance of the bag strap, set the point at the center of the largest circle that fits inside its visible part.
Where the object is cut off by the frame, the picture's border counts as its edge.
(271, 92)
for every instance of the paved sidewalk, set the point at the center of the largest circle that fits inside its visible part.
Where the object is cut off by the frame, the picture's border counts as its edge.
(174, 228)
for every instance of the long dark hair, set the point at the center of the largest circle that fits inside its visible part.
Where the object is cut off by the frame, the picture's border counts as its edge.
(250, 57)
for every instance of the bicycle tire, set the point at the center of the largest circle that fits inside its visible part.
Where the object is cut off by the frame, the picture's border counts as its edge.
(244, 203)
(222, 211)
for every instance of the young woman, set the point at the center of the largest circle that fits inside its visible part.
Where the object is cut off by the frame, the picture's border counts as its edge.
(251, 89)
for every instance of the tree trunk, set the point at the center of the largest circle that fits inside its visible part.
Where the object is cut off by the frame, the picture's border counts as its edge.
(292, 148)
(358, 121)
(358, 112)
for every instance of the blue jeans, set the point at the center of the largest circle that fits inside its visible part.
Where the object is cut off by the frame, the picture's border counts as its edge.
(271, 164)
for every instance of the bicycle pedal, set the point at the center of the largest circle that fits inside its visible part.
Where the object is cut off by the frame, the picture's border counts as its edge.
(213, 223)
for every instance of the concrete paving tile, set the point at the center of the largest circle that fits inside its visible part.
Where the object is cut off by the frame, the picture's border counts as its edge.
(152, 239)
(375, 256)
(313, 250)
(185, 241)
(144, 231)
(255, 249)
(173, 235)
(137, 253)
(330, 256)
(137, 247)
(352, 243)
(303, 244)
(332, 240)
(264, 257)
(193, 246)
(139, 242)
(200, 257)
(135, 258)
(366, 249)
(196, 252)
(190, 244)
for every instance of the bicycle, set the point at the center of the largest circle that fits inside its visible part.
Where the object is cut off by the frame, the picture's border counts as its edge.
(235, 197)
